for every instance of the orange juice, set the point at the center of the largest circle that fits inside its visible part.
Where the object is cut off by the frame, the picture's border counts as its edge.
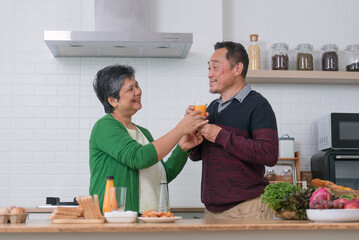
(201, 108)
(106, 206)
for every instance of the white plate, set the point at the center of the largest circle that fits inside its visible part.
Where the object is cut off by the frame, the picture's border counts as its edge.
(159, 219)
(333, 215)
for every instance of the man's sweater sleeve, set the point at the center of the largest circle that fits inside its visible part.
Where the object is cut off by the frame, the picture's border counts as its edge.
(262, 147)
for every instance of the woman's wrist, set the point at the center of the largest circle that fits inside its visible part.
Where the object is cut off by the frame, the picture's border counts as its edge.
(184, 148)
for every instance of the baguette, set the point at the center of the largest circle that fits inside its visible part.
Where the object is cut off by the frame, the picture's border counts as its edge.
(324, 183)
(316, 182)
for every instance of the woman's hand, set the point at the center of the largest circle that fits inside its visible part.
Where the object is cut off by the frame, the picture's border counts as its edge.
(188, 125)
(189, 109)
(190, 140)
(191, 122)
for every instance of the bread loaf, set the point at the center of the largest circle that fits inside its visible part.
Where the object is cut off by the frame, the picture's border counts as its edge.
(325, 183)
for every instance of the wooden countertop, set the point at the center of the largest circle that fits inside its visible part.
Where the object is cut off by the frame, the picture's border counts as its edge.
(45, 226)
(49, 210)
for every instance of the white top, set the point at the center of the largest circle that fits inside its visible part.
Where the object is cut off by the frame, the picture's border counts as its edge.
(150, 178)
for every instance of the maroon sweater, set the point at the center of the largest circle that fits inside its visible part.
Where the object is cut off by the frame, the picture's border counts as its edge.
(233, 167)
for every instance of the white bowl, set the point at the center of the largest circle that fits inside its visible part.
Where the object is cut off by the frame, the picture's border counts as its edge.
(121, 217)
(333, 215)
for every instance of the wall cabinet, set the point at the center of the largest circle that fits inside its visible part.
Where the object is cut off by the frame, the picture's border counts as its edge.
(302, 77)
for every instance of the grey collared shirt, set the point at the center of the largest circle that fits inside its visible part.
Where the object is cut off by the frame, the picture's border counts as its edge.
(240, 96)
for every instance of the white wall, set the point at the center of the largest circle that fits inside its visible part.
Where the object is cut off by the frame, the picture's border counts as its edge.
(47, 105)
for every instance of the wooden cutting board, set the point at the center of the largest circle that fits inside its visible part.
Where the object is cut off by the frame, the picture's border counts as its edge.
(78, 221)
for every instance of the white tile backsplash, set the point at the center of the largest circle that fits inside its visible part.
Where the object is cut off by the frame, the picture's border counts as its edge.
(48, 106)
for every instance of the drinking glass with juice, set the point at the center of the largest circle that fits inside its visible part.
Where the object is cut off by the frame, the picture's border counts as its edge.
(200, 106)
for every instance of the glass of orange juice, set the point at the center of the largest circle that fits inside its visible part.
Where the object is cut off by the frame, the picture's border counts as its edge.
(200, 106)
(118, 198)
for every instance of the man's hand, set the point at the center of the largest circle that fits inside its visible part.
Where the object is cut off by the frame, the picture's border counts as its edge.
(191, 140)
(210, 131)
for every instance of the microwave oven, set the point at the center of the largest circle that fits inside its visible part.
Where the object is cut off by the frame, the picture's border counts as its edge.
(339, 131)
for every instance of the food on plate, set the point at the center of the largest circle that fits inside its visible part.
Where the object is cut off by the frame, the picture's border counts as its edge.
(286, 197)
(324, 183)
(323, 193)
(341, 200)
(79, 207)
(353, 204)
(156, 214)
(90, 206)
(90, 209)
(324, 198)
(66, 213)
(326, 204)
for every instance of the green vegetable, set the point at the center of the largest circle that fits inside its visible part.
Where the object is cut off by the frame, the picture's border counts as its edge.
(285, 196)
(298, 202)
(348, 196)
(274, 193)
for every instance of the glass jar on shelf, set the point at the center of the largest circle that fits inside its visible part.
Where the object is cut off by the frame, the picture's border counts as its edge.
(330, 57)
(270, 175)
(254, 53)
(352, 56)
(287, 175)
(280, 60)
(304, 57)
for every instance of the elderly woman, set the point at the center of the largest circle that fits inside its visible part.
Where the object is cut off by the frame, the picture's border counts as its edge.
(127, 151)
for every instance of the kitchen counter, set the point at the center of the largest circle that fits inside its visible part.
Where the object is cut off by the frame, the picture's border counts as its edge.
(50, 209)
(184, 229)
(187, 213)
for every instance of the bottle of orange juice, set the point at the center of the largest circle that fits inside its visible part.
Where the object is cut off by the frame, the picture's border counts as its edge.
(106, 206)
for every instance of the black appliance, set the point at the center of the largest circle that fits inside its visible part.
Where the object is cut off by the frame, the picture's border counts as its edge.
(340, 167)
(56, 201)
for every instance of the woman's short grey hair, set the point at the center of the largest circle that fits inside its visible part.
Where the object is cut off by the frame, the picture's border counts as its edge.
(108, 83)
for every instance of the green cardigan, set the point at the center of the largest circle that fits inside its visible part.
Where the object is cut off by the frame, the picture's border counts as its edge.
(113, 152)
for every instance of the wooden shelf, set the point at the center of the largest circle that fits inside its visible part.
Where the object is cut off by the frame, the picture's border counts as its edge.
(302, 77)
(296, 160)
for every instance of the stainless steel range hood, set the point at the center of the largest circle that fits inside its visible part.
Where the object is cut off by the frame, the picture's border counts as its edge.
(129, 40)
(118, 44)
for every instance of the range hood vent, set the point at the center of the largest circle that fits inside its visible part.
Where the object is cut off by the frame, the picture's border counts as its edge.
(118, 44)
(129, 39)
